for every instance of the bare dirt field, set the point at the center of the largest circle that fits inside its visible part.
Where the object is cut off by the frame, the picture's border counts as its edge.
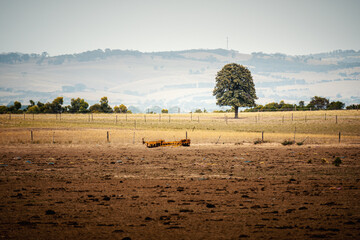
(107, 191)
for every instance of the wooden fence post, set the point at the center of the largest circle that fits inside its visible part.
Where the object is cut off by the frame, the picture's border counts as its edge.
(186, 135)
(31, 136)
(339, 137)
(107, 136)
(262, 136)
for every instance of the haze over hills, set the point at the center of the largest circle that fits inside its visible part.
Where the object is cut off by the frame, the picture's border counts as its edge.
(172, 80)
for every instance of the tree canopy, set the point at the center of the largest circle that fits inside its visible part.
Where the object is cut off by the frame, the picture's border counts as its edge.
(235, 87)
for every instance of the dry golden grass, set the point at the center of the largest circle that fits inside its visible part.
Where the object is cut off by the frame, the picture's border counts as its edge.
(315, 127)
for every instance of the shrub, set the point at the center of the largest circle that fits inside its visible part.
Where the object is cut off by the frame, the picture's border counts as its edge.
(287, 142)
(337, 162)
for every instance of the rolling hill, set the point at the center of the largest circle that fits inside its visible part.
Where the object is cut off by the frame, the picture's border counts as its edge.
(173, 80)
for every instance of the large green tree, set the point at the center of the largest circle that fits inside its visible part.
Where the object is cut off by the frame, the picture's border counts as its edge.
(235, 87)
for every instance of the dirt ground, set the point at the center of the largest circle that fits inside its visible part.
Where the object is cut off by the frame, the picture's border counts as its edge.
(265, 191)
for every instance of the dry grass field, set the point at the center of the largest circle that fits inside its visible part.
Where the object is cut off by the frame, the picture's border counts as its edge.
(70, 182)
(316, 127)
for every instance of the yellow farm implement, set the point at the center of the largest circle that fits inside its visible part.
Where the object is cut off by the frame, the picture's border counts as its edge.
(162, 143)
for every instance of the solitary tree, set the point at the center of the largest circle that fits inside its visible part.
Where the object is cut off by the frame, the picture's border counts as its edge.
(235, 87)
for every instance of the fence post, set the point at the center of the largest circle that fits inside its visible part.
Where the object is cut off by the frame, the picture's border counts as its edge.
(262, 136)
(107, 136)
(339, 136)
(325, 116)
(92, 117)
(226, 119)
(31, 136)
(134, 138)
(186, 135)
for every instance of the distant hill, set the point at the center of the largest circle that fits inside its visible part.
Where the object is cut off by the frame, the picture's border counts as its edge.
(175, 79)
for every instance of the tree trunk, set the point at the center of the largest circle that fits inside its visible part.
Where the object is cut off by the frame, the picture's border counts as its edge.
(236, 112)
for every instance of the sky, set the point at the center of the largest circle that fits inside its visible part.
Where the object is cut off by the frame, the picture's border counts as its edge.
(277, 26)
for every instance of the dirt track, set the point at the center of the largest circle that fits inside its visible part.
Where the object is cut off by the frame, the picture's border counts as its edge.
(199, 192)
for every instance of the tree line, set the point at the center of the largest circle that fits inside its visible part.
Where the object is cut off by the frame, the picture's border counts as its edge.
(316, 103)
(77, 105)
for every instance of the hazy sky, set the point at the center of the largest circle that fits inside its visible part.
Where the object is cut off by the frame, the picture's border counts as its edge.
(285, 26)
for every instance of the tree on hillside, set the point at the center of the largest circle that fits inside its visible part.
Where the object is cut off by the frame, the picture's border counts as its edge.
(235, 87)
(318, 103)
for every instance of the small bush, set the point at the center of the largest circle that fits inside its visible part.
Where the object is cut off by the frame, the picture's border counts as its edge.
(337, 162)
(287, 142)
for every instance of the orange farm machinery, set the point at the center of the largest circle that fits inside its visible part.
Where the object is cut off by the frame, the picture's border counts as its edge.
(162, 143)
